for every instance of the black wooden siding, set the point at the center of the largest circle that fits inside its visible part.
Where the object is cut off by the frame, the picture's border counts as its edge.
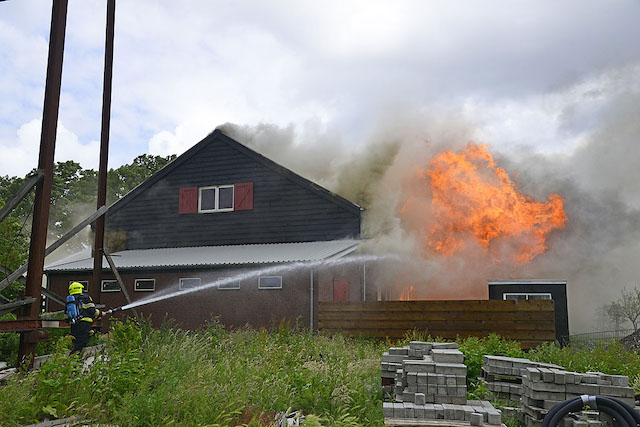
(284, 209)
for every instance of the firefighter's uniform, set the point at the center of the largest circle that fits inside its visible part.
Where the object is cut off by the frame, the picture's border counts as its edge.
(81, 330)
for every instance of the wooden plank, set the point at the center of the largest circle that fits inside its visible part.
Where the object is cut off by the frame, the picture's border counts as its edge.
(399, 333)
(437, 316)
(419, 306)
(441, 325)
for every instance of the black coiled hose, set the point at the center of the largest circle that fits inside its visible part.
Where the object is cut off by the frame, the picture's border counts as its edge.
(624, 414)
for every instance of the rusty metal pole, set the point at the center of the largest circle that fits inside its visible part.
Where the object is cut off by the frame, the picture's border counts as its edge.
(45, 163)
(98, 245)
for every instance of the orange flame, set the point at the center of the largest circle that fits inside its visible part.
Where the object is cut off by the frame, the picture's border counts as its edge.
(407, 294)
(475, 200)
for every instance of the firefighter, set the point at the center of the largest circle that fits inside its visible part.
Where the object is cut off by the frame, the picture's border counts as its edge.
(87, 312)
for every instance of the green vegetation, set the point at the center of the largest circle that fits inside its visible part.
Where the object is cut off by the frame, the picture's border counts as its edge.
(218, 377)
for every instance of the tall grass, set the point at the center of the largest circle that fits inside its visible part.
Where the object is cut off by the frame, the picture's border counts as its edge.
(209, 377)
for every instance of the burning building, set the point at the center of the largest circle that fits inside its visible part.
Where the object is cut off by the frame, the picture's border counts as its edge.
(222, 212)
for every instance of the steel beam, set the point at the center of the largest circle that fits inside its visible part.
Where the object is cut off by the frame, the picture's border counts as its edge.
(24, 190)
(20, 271)
(119, 279)
(98, 246)
(42, 202)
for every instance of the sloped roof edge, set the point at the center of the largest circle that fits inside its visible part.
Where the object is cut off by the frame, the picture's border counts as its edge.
(310, 185)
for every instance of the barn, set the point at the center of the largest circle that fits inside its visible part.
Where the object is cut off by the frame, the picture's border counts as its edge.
(272, 243)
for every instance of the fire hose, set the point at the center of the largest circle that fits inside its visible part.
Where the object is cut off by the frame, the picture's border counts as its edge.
(112, 310)
(624, 414)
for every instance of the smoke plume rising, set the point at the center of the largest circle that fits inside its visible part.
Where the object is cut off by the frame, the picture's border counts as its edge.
(596, 252)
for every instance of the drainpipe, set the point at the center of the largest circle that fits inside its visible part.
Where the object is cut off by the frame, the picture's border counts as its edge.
(364, 281)
(311, 299)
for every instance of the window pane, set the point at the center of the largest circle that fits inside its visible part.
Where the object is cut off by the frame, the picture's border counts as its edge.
(274, 282)
(515, 296)
(208, 199)
(539, 296)
(225, 198)
(229, 284)
(189, 283)
(110, 286)
(145, 284)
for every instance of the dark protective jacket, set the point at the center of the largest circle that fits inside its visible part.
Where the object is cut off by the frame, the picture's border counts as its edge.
(88, 310)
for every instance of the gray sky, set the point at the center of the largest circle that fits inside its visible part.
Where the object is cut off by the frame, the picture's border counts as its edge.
(523, 74)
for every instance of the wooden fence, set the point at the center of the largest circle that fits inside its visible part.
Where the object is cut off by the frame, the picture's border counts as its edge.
(530, 322)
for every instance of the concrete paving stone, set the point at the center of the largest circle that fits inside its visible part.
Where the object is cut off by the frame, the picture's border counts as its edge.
(398, 397)
(422, 377)
(500, 370)
(421, 345)
(429, 411)
(459, 412)
(412, 378)
(432, 388)
(534, 374)
(449, 412)
(545, 386)
(442, 390)
(461, 380)
(468, 410)
(452, 390)
(387, 409)
(430, 398)
(590, 379)
(461, 391)
(577, 378)
(423, 388)
(444, 345)
(447, 356)
(569, 378)
(418, 366)
(547, 375)
(404, 351)
(494, 417)
(618, 380)
(418, 411)
(439, 411)
(420, 399)
(474, 403)
(394, 358)
(602, 381)
(450, 380)
(476, 419)
(558, 376)
(441, 379)
(546, 395)
(451, 368)
(583, 388)
(411, 389)
(408, 410)
(616, 391)
(398, 410)
(432, 378)
(388, 375)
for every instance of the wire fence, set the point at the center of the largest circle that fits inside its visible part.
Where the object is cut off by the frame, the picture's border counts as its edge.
(593, 338)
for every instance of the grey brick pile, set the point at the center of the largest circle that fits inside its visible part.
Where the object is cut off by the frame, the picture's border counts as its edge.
(502, 376)
(543, 388)
(429, 381)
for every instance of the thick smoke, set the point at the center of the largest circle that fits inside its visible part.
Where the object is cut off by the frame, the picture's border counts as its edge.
(596, 253)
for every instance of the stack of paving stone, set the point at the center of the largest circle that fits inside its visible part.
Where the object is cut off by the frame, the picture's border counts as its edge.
(502, 376)
(543, 388)
(429, 380)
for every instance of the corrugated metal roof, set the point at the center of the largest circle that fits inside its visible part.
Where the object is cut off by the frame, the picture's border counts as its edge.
(203, 256)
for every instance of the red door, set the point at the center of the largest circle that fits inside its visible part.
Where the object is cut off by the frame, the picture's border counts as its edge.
(340, 290)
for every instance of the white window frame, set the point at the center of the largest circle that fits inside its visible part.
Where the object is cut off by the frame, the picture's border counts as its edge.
(84, 283)
(216, 199)
(189, 278)
(269, 287)
(526, 294)
(135, 286)
(102, 289)
(228, 288)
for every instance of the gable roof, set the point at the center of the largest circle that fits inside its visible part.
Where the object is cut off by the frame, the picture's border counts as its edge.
(219, 135)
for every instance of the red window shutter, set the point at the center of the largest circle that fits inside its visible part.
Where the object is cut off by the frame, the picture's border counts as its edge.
(188, 200)
(243, 196)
